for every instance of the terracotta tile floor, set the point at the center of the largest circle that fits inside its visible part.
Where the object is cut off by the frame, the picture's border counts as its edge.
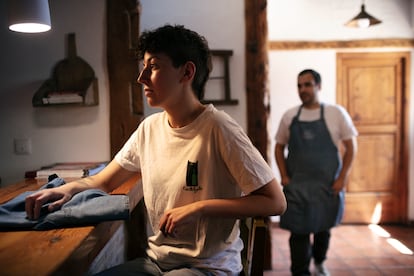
(354, 250)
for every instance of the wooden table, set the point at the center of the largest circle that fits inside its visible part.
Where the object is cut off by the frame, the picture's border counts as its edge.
(67, 251)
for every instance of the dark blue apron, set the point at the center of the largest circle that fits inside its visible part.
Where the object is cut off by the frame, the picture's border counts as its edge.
(313, 164)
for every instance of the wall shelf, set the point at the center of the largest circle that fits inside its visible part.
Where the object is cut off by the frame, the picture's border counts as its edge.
(45, 97)
(73, 82)
(218, 85)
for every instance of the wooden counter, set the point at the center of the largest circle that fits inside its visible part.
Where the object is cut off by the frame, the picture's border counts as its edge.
(68, 251)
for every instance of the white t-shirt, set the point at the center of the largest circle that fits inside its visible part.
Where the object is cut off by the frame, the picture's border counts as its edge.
(338, 122)
(228, 166)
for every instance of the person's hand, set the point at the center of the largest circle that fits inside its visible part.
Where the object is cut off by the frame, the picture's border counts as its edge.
(35, 201)
(338, 185)
(285, 180)
(174, 219)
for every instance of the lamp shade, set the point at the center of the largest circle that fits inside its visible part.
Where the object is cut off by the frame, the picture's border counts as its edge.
(29, 16)
(362, 20)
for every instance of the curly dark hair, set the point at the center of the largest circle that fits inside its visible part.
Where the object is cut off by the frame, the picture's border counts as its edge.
(181, 45)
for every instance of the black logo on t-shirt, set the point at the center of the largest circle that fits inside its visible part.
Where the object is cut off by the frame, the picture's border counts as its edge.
(192, 177)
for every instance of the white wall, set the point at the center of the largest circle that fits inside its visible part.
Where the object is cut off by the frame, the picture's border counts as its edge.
(60, 134)
(57, 133)
(223, 28)
(323, 20)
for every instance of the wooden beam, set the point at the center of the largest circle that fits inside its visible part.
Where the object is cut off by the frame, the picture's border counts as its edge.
(256, 73)
(258, 98)
(366, 43)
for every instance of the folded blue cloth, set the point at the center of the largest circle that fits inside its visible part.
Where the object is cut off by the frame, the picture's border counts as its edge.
(85, 208)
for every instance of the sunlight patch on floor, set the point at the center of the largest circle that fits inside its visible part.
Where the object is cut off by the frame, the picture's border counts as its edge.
(381, 232)
(399, 246)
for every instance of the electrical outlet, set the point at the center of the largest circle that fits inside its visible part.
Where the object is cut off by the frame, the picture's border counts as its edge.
(22, 146)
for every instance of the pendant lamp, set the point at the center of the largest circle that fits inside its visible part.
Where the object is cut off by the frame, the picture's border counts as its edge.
(363, 19)
(29, 16)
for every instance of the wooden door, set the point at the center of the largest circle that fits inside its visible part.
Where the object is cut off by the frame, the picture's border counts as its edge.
(126, 103)
(374, 88)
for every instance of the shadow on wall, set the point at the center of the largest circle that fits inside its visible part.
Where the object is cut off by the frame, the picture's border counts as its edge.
(64, 116)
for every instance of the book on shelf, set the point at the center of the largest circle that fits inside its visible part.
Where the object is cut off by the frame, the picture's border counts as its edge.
(63, 97)
(68, 169)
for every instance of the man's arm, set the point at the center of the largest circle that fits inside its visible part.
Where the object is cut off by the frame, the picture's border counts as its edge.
(350, 147)
(111, 177)
(281, 163)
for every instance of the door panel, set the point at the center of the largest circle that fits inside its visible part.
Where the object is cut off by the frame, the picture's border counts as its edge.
(373, 88)
(378, 175)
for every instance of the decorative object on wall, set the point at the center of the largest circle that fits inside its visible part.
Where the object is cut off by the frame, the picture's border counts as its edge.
(29, 16)
(73, 82)
(218, 85)
(363, 19)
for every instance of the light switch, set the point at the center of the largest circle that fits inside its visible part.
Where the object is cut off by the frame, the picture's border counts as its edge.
(23, 146)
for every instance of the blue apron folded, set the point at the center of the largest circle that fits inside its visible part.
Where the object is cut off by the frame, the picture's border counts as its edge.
(85, 208)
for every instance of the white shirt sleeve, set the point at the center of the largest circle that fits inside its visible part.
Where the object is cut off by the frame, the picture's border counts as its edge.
(128, 157)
